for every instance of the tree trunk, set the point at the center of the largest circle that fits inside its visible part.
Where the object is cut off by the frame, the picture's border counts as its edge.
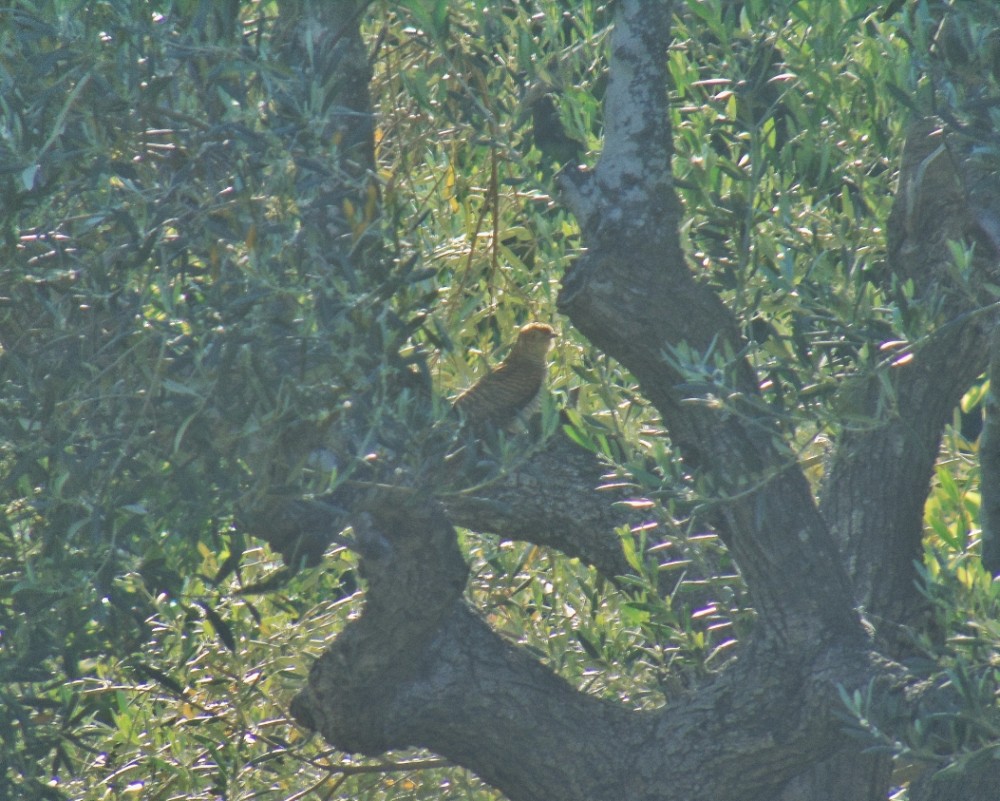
(420, 668)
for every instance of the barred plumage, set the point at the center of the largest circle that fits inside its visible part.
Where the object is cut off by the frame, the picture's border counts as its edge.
(503, 394)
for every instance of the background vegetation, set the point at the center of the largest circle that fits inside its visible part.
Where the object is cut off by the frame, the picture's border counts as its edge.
(165, 329)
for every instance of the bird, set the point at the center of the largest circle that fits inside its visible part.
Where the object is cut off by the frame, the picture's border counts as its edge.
(507, 393)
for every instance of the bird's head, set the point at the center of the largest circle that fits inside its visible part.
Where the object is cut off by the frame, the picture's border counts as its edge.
(534, 340)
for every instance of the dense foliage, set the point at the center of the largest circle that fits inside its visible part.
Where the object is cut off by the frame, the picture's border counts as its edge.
(166, 328)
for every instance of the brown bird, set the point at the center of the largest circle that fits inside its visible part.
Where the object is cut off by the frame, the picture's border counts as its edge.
(509, 390)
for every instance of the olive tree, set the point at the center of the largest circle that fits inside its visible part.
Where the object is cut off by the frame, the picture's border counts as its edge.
(235, 307)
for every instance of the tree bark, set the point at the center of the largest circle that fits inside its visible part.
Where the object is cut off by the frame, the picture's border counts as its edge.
(881, 474)
(420, 668)
(647, 309)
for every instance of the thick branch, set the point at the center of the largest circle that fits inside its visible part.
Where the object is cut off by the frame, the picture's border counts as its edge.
(877, 485)
(418, 668)
(634, 297)
(552, 499)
